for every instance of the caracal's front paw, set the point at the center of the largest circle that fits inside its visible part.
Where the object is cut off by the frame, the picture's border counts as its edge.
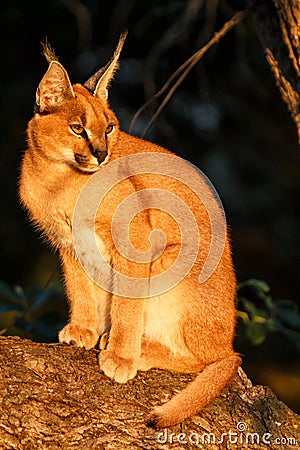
(119, 369)
(81, 336)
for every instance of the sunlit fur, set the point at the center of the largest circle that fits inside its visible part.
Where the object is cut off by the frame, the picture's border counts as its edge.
(189, 328)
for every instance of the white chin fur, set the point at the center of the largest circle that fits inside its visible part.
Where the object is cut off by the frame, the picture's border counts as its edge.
(88, 169)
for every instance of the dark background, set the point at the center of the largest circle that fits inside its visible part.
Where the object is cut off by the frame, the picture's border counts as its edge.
(227, 118)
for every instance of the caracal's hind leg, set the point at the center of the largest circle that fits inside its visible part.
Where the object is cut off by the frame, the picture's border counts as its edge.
(156, 355)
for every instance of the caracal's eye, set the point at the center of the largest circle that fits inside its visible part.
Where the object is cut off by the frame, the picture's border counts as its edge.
(109, 129)
(77, 129)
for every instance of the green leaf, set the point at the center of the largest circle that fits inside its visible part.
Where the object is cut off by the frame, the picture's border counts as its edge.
(287, 304)
(260, 285)
(250, 308)
(261, 317)
(256, 333)
(289, 314)
(274, 325)
(244, 316)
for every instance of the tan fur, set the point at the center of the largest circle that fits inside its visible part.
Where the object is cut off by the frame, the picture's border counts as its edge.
(190, 328)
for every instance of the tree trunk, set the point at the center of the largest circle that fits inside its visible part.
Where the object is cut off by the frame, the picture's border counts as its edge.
(278, 26)
(55, 396)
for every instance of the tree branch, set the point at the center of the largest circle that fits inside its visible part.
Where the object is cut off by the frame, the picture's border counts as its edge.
(184, 70)
(54, 396)
(278, 26)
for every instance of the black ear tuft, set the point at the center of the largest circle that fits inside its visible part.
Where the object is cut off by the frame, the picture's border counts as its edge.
(48, 52)
(99, 82)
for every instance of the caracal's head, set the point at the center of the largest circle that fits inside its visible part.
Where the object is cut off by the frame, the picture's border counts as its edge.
(74, 125)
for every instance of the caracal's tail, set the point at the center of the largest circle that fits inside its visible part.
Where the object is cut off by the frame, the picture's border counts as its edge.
(199, 393)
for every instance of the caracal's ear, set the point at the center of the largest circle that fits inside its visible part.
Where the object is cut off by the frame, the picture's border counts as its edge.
(55, 86)
(98, 83)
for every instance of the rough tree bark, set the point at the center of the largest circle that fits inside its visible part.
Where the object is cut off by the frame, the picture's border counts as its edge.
(54, 396)
(278, 26)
